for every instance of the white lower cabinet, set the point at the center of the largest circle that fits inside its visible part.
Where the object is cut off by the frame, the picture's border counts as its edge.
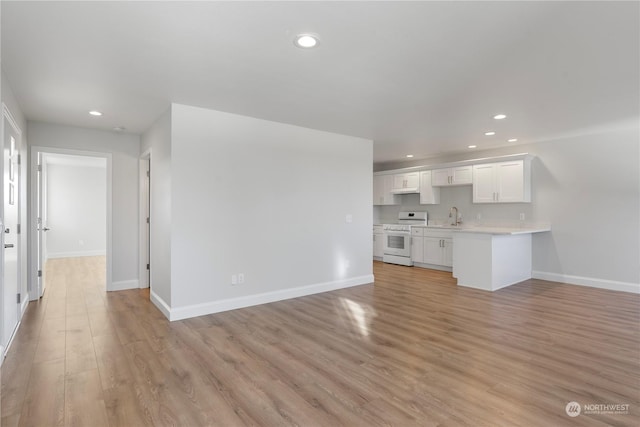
(378, 241)
(431, 247)
(438, 248)
(417, 244)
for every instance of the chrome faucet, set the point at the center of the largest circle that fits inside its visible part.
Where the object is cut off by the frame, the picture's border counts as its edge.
(454, 220)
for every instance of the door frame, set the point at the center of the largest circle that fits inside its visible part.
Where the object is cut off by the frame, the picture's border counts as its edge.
(34, 291)
(144, 237)
(20, 241)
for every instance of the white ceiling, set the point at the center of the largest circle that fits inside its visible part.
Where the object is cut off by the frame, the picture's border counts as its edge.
(416, 77)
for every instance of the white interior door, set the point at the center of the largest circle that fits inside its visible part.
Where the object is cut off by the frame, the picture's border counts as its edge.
(10, 240)
(40, 226)
(147, 228)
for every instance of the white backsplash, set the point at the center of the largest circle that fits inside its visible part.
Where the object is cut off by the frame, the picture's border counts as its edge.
(507, 214)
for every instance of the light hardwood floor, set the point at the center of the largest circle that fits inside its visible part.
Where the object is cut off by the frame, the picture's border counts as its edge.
(411, 349)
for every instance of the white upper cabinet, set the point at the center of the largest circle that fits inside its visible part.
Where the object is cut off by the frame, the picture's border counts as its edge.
(406, 183)
(382, 187)
(459, 175)
(429, 195)
(503, 182)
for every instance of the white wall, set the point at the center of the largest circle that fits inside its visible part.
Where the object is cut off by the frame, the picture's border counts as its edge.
(76, 210)
(157, 140)
(587, 186)
(125, 151)
(268, 200)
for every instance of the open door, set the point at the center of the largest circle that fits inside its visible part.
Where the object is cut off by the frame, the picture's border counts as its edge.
(10, 233)
(40, 203)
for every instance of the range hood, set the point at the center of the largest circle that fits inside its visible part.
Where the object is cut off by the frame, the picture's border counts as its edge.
(409, 190)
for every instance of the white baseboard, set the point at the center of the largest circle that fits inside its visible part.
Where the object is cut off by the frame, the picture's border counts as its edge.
(161, 304)
(588, 281)
(195, 310)
(76, 254)
(24, 304)
(123, 285)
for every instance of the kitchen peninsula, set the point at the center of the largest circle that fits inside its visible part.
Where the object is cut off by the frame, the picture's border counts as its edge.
(491, 258)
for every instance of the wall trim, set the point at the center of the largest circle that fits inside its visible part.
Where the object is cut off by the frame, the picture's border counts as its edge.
(185, 312)
(24, 304)
(123, 285)
(611, 285)
(51, 255)
(160, 304)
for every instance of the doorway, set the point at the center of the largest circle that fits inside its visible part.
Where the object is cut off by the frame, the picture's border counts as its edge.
(71, 197)
(10, 230)
(145, 221)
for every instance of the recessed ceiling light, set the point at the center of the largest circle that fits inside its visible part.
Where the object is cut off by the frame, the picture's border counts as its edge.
(95, 113)
(512, 140)
(500, 116)
(306, 41)
(119, 128)
(409, 155)
(472, 146)
(490, 133)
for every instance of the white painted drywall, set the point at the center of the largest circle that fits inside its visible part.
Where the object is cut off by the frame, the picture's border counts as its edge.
(265, 199)
(587, 186)
(76, 210)
(158, 140)
(125, 151)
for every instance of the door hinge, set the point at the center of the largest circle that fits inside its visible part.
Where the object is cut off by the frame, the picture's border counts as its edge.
(148, 174)
(19, 159)
(39, 168)
(18, 228)
(18, 298)
(147, 266)
(39, 273)
(148, 220)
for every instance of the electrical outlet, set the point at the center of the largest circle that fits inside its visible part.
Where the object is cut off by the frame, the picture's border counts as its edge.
(240, 278)
(81, 242)
(522, 217)
(479, 216)
(349, 218)
(234, 279)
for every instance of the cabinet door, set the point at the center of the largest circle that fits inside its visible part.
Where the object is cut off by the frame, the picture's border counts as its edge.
(461, 175)
(429, 195)
(417, 249)
(378, 190)
(484, 190)
(389, 197)
(399, 181)
(412, 180)
(378, 245)
(447, 252)
(510, 181)
(440, 177)
(433, 250)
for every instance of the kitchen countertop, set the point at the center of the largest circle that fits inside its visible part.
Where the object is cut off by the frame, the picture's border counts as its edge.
(483, 229)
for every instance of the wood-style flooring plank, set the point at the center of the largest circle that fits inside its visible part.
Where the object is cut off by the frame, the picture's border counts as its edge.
(412, 349)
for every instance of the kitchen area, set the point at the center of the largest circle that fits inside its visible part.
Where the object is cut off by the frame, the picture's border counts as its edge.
(472, 218)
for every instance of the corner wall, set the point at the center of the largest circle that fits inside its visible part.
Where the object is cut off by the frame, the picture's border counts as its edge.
(268, 200)
(157, 141)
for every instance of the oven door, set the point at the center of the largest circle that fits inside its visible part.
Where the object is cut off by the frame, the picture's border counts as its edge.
(397, 243)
